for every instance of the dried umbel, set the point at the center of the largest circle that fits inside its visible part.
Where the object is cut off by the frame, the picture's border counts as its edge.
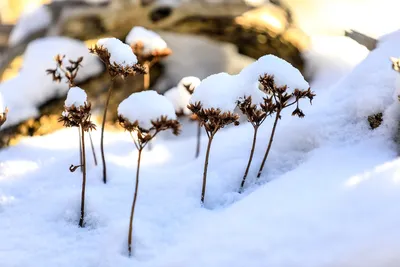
(152, 56)
(65, 72)
(79, 116)
(278, 99)
(122, 64)
(212, 120)
(395, 63)
(141, 137)
(113, 68)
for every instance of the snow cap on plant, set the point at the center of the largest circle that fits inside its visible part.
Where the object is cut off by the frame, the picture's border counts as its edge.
(180, 95)
(146, 112)
(146, 44)
(77, 110)
(118, 57)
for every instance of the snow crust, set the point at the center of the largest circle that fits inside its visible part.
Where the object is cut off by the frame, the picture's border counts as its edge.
(283, 72)
(180, 96)
(32, 86)
(151, 40)
(30, 22)
(145, 107)
(120, 53)
(76, 97)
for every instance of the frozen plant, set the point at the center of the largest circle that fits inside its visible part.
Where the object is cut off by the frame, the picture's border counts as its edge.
(144, 115)
(149, 48)
(120, 61)
(280, 98)
(62, 71)
(180, 96)
(77, 113)
(213, 104)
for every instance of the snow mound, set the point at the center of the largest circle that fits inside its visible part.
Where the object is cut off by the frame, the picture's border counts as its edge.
(180, 96)
(35, 85)
(217, 91)
(284, 73)
(151, 41)
(2, 105)
(29, 23)
(120, 53)
(76, 97)
(145, 107)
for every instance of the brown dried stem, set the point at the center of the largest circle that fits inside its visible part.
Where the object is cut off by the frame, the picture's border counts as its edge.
(93, 151)
(81, 219)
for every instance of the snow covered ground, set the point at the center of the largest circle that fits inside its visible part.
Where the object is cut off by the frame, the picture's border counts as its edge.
(328, 197)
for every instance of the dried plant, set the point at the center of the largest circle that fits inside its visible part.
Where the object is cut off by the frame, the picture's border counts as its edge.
(148, 59)
(141, 137)
(115, 70)
(3, 116)
(212, 120)
(69, 72)
(280, 99)
(256, 115)
(79, 117)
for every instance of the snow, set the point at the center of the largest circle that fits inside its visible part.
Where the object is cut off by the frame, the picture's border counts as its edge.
(151, 41)
(120, 53)
(328, 197)
(2, 104)
(284, 73)
(180, 96)
(217, 91)
(145, 107)
(29, 23)
(76, 97)
(35, 85)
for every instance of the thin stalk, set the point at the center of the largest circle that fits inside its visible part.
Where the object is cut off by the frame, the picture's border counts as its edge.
(270, 143)
(93, 151)
(134, 203)
(102, 132)
(146, 76)
(203, 189)
(80, 147)
(81, 224)
(198, 139)
(250, 158)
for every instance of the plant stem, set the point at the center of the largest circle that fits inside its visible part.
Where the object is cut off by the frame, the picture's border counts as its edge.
(271, 138)
(146, 76)
(134, 202)
(93, 151)
(80, 147)
(81, 224)
(250, 158)
(203, 189)
(102, 132)
(198, 139)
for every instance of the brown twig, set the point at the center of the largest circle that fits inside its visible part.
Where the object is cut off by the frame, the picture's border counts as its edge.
(253, 146)
(81, 219)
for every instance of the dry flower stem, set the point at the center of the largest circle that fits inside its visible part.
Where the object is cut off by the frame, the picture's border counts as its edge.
(102, 131)
(93, 150)
(81, 222)
(146, 76)
(80, 147)
(250, 158)
(270, 142)
(203, 189)
(134, 203)
(198, 139)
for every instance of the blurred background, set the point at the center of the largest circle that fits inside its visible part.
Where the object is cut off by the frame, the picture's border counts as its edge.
(206, 37)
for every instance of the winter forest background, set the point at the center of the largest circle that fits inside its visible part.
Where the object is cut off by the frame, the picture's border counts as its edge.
(185, 133)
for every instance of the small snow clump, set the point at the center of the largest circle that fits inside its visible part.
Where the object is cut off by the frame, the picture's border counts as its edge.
(76, 97)
(151, 41)
(180, 95)
(145, 107)
(120, 53)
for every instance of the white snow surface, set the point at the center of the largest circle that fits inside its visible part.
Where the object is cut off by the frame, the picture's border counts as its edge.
(145, 107)
(32, 86)
(3, 105)
(30, 22)
(151, 40)
(120, 53)
(328, 196)
(179, 95)
(283, 72)
(76, 97)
